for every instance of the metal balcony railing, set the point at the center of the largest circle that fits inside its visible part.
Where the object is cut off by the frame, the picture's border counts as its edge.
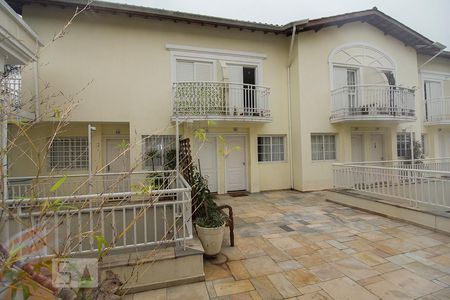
(372, 102)
(205, 100)
(128, 210)
(424, 182)
(437, 110)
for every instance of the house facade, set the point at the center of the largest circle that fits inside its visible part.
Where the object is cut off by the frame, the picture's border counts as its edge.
(275, 106)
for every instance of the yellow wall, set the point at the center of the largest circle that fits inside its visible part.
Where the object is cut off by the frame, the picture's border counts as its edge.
(120, 71)
(314, 97)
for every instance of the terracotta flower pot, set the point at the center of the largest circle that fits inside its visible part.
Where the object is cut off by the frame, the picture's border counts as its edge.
(211, 239)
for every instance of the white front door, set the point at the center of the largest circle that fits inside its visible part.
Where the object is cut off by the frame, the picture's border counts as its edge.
(357, 148)
(208, 162)
(444, 145)
(376, 147)
(235, 164)
(116, 163)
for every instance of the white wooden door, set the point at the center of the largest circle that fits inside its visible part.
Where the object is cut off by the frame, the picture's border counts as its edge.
(236, 95)
(444, 145)
(117, 163)
(208, 161)
(433, 90)
(235, 164)
(376, 147)
(357, 148)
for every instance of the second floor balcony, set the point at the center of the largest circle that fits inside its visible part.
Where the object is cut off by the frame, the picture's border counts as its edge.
(372, 103)
(206, 100)
(437, 110)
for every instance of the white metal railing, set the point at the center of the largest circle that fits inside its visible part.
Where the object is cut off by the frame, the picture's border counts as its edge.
(418, 186)
(437, 110)
(431, 164)
(143, 209)
(221, 100)
(372, 102)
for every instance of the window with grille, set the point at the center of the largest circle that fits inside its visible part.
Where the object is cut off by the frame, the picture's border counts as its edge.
(323, 146)
(404, 145)
(69, 153)
(158, 152)
(270, 148)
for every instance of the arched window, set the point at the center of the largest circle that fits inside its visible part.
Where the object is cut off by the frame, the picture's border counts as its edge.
(360, 64)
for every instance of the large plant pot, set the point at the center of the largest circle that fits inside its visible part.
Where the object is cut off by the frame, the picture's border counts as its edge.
(211, 239)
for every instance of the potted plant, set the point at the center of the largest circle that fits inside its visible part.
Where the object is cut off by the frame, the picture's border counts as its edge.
(209, 221)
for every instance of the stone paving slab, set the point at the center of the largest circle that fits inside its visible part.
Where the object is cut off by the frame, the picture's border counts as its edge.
(292, 245)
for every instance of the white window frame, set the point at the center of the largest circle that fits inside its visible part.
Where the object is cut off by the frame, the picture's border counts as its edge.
(146, 163)
(191, 60)
(74, 162)
(323, 135)
(407, 151)
(271, 148)
(222, 56)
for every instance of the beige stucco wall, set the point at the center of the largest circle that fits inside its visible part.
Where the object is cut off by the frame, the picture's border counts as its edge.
(436, 69)
(314, 97)
(119, 70)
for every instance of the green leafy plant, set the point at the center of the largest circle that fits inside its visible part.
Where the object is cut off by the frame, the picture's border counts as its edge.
(206, 213)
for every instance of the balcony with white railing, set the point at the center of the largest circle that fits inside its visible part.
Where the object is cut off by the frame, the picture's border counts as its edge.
(437, 111)
(129, 210)
(206, 100)
(371, 103)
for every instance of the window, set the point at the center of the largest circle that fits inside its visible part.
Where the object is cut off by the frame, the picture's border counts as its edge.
(194, 71)
(159, 151)
(424, 142)
(270, 148)
(69, 153)
(323, 146)
(404, 145)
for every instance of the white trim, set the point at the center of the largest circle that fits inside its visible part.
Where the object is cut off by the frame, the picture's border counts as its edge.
(367, 45)
(19, 21)
(434, 75)
(214, 52)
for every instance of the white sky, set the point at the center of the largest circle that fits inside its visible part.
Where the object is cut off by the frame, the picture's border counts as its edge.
(429, 17)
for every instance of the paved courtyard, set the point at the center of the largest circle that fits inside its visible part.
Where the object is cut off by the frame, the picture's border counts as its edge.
(299, 246)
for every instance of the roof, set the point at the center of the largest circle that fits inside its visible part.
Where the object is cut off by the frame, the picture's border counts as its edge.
(373, 16)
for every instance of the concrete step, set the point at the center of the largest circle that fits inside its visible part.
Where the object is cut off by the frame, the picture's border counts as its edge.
(400, 210)
(157, 268)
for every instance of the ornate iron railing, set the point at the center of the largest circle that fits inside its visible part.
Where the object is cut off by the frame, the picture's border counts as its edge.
(199, 100)
(372, 102)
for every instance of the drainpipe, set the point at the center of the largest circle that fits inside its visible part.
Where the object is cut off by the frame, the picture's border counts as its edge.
(291, 154)
(3, 147)
(177, 149)
(36, 90)
(90, 129)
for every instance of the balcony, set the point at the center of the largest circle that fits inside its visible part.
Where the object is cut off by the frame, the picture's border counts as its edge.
(197, 101)
(372, 103)
(130, 210)
(437, 111)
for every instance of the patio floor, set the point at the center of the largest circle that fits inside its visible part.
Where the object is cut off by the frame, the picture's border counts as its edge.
(297, 245)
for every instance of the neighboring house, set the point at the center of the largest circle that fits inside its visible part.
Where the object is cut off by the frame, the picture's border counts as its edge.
(286, 101)
(19, 45)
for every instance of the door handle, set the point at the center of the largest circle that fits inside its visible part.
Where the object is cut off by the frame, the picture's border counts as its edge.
(243, 163)
(108, 168)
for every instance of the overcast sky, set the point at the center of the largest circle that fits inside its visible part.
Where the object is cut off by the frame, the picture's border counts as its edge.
(429, 17)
